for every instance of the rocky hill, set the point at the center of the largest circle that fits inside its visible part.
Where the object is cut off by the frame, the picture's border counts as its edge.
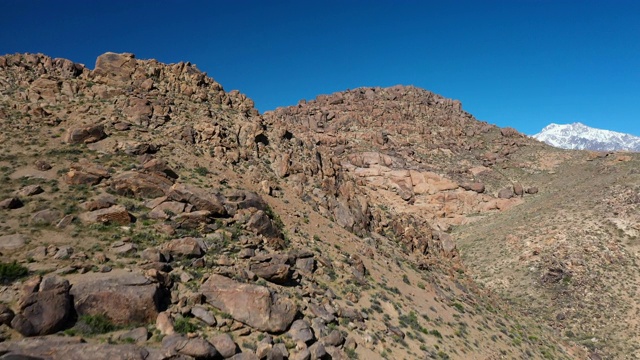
(147, 213)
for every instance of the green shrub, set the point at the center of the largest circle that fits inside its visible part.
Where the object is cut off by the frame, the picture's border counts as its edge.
(12, 271)
(184, 326)
(96, 324)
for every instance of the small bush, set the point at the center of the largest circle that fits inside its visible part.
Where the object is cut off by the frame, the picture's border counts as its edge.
(96, 324)
(12, 271)
(202, 171)
(184, 326)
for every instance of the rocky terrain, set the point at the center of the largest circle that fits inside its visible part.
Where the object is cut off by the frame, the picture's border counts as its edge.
(147, 213)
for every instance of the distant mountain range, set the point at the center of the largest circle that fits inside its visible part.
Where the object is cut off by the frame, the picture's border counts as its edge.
(581, 137)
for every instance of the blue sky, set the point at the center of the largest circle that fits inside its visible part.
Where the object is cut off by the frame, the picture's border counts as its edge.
(512, 63)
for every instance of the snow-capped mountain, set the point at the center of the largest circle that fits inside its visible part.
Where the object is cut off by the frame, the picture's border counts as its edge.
(581, 137)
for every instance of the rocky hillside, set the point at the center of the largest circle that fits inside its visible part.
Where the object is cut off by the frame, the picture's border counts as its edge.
(149, 214)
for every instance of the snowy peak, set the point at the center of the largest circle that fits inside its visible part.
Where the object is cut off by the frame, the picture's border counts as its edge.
(581, 137)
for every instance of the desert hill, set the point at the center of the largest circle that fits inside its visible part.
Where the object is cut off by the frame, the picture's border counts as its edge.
(150, 214)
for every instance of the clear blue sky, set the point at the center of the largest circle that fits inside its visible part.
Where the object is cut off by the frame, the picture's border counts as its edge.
(513, 63)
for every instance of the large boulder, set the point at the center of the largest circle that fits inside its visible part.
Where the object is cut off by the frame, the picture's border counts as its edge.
(123, 297)
(116, 214)
(140, 184)
(253, 305)
(84, 134)
(45, 311)
(115, 69)
(188, 247)
(201, 199)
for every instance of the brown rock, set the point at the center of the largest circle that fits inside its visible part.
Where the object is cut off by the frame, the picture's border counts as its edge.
(76, 177)
(201, 199)
(532, 190)
(30, 190)
(115, 68)
(189, 247)
(46, 217)
(116, 214)
(518, 189)
(506, 193)
(101, 202)
(225, 345)
(11, 203)
(167, 209)
(277, 273)
(301, 331)
(139, 184)
(261, 224)
(85, 134)
(12, 242)
(475, 186)
(46, 311)
(62, 347)
(124, 298)
(42, 165)
(253, 305)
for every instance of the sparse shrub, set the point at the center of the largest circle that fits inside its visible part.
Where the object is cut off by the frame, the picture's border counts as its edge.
(202, 171)
(95, 324)
(11, 271)
(184, 326)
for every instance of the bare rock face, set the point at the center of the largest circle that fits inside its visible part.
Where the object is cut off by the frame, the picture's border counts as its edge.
(45, 311)
(124, 298)
(253, 305)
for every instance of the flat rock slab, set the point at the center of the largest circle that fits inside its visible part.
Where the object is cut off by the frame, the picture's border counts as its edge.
(253, 305)
(123, 297)
(12, 242)
(64, 348)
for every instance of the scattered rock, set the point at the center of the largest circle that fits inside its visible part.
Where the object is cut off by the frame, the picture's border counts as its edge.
(225, 345)
(506, 193)
(46, 217)
(30, 190)
(11, 203)
(204, 315)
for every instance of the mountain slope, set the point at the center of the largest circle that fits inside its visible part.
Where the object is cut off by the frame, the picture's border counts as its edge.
(150, 179)
(581, 137)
